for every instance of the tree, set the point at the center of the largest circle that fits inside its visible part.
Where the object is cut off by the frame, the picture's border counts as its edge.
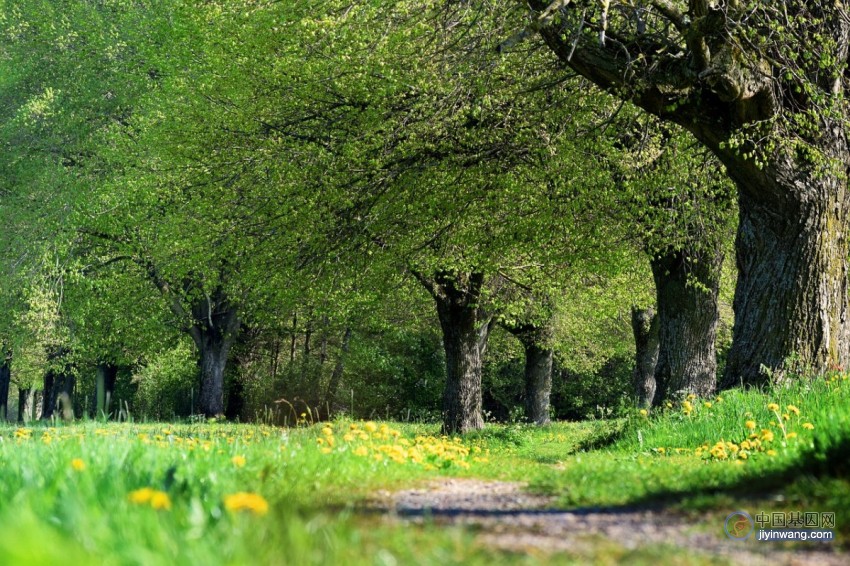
(762, 85)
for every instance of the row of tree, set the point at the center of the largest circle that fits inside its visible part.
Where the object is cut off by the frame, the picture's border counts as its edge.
(207, 169)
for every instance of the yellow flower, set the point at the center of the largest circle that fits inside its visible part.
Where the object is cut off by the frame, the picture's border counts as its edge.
(328, 431)
(792, 435)
(78, 464)
(141, 496)
(793, 409)
(750, 425)
(238, 461)
(745, 445)
(160, 500)
(719, 399)
(742, 455)
(691, 397)
(643, 412)
(772, 407)
(244, 501)
(786, 416)
(660, 450)
(361, 451)
(370, 427)
(766, 435)
(707, 405)
(808, 426)
(771, 452)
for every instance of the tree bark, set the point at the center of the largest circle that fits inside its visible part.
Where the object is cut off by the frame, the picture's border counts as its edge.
(538, 370)
(791, 295)
(26, 404)
(686, 290)
(645, 330)
(48, 394)
(105, 377)
(5, 379)
(466, 327)
(214, 330)
(339, 368)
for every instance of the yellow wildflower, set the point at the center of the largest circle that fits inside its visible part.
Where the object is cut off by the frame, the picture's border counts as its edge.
(766, 435)
(750, 425)
(78, 464)
(361, 451)
(141, 496)
(793, 409)
(808, 426)
(238, 461)
(244, 501)
(707, 404)
(772, 407)
(643, 412)
(370, 427)
(771, 452)
(160, 500)
(327, 431)
(791, 435)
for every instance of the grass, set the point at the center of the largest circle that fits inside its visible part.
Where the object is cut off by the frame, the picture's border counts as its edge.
(71, 493)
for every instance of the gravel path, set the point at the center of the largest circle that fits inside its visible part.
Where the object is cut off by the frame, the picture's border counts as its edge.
(508, 518)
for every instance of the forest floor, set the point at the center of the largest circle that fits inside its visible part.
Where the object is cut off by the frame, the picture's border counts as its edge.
(506, 517)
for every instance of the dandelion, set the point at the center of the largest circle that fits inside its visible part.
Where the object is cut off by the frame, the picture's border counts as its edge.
(328, 431)
(750, 425)
(643, 412)
(141, 496)
(78, 464)
(238, 461)
(766, 435)
(808, 426)
(245, 501)
(793, 409)
(773, 407)
(791, 435)
(691, 396)
(370, 427)
(160, 501)
(707, 404)
(771, 453)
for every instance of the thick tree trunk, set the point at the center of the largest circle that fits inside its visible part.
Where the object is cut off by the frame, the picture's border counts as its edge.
(538, 382)
(213, 350)
(215, 330)
(5, 379)
(26, 404)
(686, 290)
(104, 389)
(466, 328)
(791, 295)
(538, 370)
(645, 330)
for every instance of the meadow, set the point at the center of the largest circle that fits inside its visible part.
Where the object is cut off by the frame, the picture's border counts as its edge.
(220, 493)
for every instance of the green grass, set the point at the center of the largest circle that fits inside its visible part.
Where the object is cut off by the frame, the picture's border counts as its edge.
(52, 512)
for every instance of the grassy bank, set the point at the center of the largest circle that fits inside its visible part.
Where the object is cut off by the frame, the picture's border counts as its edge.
(97, 493)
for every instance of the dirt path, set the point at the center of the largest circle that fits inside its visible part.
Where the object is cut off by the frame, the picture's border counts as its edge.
(508, 518)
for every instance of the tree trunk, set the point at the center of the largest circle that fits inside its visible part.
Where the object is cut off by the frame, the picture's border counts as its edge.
(26, 402)
(48, 395)
(466, 328)
(214, 332)
(686, 289)
(336, 375)
(235, 399)
(538, 370)
(213, 350)
(791, 295)
(645, 330)
(538, 382)
(104, 389)
(5, 379)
